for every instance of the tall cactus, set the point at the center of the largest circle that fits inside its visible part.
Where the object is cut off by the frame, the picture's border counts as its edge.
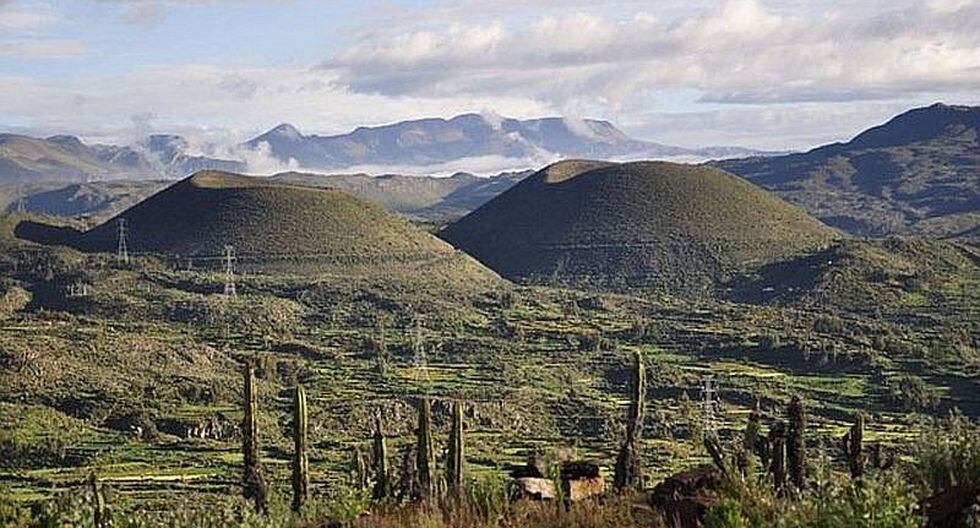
(456, 457)
(408, 484)
(777, 458)
(751, 440)
(359, 468)
(425, 461)
(301, 461)
(98, 502)
(253, 483)
(796, 442)
(853, 446)
(382, 487)
(628, 466)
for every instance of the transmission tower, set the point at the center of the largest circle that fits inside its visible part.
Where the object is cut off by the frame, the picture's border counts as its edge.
(230, 271)
(122, 252)
(709, 403)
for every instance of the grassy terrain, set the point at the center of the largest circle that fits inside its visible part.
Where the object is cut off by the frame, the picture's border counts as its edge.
(646, 225)
(139, 379)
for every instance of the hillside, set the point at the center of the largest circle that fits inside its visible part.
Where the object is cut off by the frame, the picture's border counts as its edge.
(275, 225)
(918, 173)
(429, 199)
(649, 225)
(98, 200)
(432, 141)
(913, 274)
(62, 158)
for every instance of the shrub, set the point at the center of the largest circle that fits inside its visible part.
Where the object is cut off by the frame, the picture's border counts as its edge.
(727, 513)
(947, 454)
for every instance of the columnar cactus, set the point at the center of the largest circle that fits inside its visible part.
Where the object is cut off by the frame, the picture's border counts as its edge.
(301, 462)
(777, 458)
(98, 502)
(751, 440)
(425, 462)
(408, 484)
(628, 466)
(253, 483)
(359, 469)
(454, 463)
(853, 446)
(796, 442)
(382, 488)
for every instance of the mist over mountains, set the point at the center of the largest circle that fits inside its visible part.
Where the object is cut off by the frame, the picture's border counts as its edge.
(428, 142)
(480, 143)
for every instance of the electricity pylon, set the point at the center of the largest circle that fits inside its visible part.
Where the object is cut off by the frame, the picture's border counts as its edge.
(122, 252)
(230, 271)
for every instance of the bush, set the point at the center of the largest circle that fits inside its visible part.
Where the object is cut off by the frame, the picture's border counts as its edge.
(727, 513)
(947, 454)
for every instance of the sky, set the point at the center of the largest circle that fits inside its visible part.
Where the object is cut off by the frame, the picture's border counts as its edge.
(767, 74)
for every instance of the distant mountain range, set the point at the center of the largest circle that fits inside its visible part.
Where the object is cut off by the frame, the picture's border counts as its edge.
(63, 158)
(917, 173)
(421, 143)
(427, 142)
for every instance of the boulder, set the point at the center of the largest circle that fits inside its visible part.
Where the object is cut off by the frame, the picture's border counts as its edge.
(684, 499)
(534, 488)
(581, 480)
(948, 508)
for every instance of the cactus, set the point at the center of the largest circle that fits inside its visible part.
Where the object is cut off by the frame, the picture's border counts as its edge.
(380, 346)
(359, 469)
(253, 483)
(98, 502)
(301, 463)
(425, 463)
(628, 466)
(380, 459)
(796, 442)
(455, 458)
(777, 456)
(853, 446)
(408, 485)
(751, 441)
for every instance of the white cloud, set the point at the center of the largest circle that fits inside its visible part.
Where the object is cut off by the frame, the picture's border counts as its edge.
(218, 101)
(740, 51)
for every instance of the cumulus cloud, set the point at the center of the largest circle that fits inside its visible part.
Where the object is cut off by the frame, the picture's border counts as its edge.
(741, 51)
(207, 99)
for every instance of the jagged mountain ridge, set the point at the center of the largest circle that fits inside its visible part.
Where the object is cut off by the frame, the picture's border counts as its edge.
(434, 140)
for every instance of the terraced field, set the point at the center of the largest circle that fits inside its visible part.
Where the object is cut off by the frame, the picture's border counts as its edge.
(140, 380)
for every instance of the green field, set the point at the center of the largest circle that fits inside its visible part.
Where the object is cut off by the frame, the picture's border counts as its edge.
(125, 379)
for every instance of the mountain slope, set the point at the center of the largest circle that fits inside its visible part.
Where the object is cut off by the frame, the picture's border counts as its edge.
(437, 200)
(433, 141)
(917, 173)
(276, 226)
(648, 225)
(64, 158)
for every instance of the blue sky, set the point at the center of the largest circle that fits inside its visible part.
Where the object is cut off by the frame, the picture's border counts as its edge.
(759, 73)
